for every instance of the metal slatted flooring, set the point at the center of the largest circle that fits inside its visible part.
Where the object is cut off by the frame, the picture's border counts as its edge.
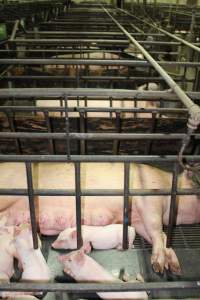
(184, 237)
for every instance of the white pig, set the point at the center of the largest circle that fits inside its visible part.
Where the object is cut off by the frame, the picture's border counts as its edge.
(32, 261)
(85, 269)
(101, 237)
(7, 252)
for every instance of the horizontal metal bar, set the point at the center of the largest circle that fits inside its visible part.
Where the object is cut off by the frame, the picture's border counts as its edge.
(99, 192)
(91, 33)
(95, 136)
(90, 92)
(93, 109)
(74, 41)
(78, 51)
(96, 158)
(100, 287)
(92, 62)
(91, 78)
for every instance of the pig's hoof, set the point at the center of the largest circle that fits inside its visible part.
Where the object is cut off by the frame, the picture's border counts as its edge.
(158, 262)
(172, 261)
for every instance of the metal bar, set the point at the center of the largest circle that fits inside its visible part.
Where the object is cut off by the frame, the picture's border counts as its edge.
(31, 204)
(14, 31)
(126, 205)
(90, 78)
(100, 192)
(82, 130)
(78, 204)
(173, 205)
(75, 51)
(67, 130)
(95, 136)
(153, 130)
(116, 143)
(93, 109)
(48, 93)
(51, 142)
(90, 33)
(12, 127)
(96, 158)
(172, 84)
(79, 41)
(99, 287)
(95, 62)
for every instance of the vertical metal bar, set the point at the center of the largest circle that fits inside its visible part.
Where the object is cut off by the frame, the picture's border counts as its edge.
(116, 143)
(111, 105)
(78, 203)
(126, 204)
(86, 105)
(12, 128)
(173, 206)
(49, 129)
(153, 129)
(61, 105)
(82, 130)
(31, 204)
(67, 127)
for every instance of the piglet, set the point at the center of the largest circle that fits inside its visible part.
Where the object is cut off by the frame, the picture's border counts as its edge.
(85, 269)
(6, 250)
(32, 261)
(101, 237)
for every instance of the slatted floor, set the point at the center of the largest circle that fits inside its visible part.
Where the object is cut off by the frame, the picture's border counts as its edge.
(184, 237)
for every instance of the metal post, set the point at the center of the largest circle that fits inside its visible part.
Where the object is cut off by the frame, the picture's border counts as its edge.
(173, 205)
(78, 204)
(126, 204)
(31, 204)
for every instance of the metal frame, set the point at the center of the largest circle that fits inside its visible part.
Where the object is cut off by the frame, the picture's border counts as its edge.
(59, 27)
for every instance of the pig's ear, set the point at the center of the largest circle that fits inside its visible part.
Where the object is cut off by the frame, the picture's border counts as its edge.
(87, 248)
(73, 234)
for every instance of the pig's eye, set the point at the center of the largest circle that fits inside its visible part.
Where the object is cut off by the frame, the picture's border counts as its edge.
(69, 260)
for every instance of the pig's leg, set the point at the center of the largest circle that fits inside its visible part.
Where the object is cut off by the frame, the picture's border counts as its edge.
(150, 210)
(172, 262)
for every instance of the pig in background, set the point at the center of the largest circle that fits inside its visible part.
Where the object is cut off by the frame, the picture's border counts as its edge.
(85, 269)
(100, 237)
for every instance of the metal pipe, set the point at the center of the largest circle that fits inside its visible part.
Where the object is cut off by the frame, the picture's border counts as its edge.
(173, 205)
(14, 31)
(50, 93)
(96, 158)
(77, 288)
(81, 110)
(98, 192)
(95, 136)
(93, 62)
